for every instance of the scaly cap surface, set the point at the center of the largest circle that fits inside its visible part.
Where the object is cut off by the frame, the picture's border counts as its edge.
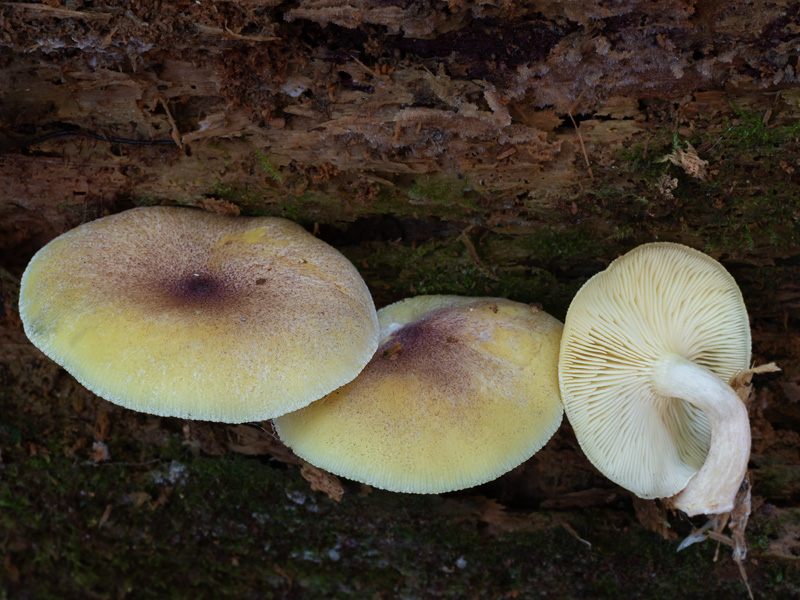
(178, 312)
(460, 391)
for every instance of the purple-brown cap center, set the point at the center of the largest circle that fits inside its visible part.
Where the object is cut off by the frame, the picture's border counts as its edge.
(197, 287)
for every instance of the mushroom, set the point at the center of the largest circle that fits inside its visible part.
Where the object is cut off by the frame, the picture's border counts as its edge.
(178, 312)
(460, 391)
(648, 347)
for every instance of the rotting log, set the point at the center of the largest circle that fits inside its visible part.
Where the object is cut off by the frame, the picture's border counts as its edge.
(507, 149)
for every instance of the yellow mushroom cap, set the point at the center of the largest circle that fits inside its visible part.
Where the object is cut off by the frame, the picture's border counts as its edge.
(660, 300)
(178, 312)
(460, 391)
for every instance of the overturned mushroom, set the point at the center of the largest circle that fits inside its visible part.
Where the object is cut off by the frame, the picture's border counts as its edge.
(183, 313)
(460, 391)
(648, 348)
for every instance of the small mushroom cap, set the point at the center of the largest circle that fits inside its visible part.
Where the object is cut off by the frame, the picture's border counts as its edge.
(460, 391)
(660, 299)
(178, 312)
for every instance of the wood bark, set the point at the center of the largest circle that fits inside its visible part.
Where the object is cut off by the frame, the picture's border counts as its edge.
(471, 147)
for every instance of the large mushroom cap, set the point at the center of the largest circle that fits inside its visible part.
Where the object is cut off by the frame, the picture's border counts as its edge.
(178, 312)
(460, 391)
(659, 300)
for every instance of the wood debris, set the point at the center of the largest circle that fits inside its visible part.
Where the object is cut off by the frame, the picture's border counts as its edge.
(689, 161)
(322, 481)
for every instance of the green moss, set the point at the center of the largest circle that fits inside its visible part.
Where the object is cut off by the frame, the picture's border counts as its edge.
(735, 209)
(439, 195)
(264, 162)
(75, 210)
(521, 268)
(214, 144)
(751, 133)
(561, 243)
(644, 160)
(9, 435)
(442, 267)
(778, 480)
(750, 222)
(233, 193)
(438, 189)
(236, 526)
(146, 200)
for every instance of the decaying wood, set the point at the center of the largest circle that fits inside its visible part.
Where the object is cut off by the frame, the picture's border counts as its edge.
(477, 89)
(502, 141)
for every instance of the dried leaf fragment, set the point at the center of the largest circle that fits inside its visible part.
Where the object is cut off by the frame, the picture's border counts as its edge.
(322, 481)
(689, 161)
(12, 570)
(652, 515)
(740, 382)
(218, 206)
(138, 498)
(100, 452)
(253, 441)
(106, 515)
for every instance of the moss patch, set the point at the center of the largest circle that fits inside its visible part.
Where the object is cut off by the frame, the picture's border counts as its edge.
(240, 527)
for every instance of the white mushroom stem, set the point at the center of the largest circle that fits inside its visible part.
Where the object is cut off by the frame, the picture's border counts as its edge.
(713, 488)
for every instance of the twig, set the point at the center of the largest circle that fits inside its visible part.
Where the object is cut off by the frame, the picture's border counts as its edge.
(473, 254)
(62, 13)
(736, 521)
(580, 141)
(106, 515)
(722, 539)
(574, 533)
(94, 136)
(232, 34)
(367, 69)
(176, 134)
